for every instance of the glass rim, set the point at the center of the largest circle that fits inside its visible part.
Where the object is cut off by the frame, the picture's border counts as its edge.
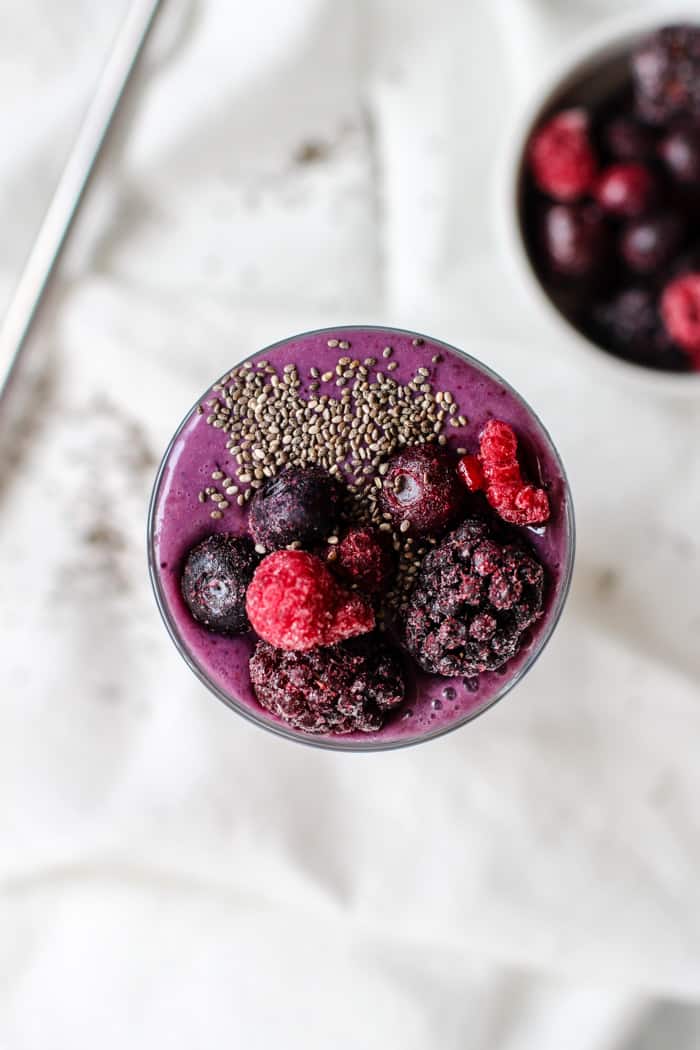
(338, 743)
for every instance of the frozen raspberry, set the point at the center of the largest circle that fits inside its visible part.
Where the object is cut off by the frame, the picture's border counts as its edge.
(561, 156)
(626, 190)
(469, 470)
(299, 505)
(474, 597)
(666, 73)
(680, 310)
(421, 487)
(574, 239)
(294, 602)
(345, 688)
(513, 500)
(649, 243)
(628, 139)
(364, 558)
(214, 580)
(680, 152)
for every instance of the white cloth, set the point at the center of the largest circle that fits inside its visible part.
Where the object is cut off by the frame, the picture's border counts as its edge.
(172, 876)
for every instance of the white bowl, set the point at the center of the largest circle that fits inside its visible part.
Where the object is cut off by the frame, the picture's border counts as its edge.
(579, 64)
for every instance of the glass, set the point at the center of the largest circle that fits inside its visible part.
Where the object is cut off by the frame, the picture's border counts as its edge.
(338, 743)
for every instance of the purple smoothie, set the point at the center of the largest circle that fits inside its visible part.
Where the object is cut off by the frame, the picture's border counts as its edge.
(178, 520)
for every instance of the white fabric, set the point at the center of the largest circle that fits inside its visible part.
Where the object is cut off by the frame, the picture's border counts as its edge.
(171, 876)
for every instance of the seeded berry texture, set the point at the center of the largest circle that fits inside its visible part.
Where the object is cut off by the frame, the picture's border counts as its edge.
(294, 602)
(473, 599)
(562, 158)
(342, 688)
(666, 71)
(421, 490)
(214, 581)
(364, 557)
(299, 505)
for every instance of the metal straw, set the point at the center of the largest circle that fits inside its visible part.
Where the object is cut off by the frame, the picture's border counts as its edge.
(61, 213)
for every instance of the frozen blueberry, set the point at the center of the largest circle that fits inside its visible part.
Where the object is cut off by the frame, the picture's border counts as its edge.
(299, 505)
(214, 581)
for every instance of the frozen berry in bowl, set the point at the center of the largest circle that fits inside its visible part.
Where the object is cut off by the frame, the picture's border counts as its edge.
(680, 310)
(666, 74)
(351, 687)
(562, 158)
(626, 190)
(628, 139)
(214, 580)
(421, 491)
(573, 239)
(294, 602)
(300, 505)
(680, 151)
(474, 598)
(365, 558)
(649, 244)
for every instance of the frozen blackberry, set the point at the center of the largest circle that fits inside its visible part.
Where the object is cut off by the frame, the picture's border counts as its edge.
(214, 581)
(474, 597)
(300, 505)
(344, 688)
(422, 489)
(666, 73)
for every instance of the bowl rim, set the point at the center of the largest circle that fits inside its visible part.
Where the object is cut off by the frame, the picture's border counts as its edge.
(338, 743)
(603, 40)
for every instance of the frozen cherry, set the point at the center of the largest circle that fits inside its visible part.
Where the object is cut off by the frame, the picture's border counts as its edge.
(299, 505)
(421, 488)
(649, 243)
(364, 558)
(561, 156)
(214, 581)
(574, 239)
(626, 190)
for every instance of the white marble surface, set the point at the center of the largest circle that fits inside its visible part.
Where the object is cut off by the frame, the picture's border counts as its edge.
(170, 875)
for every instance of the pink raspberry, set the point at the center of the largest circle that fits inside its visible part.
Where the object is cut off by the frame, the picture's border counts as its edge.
(561, 156)
(680, 311)
(510, 496)
(294, 602)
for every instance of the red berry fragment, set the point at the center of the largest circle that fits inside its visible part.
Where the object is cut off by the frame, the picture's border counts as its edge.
(294, 602)
(562, 159)
(362, 557)
(626, 190)
(680, 311)
(469, 470)
(510, 496)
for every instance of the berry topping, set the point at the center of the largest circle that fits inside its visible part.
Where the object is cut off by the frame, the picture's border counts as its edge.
(562, 160)
(680, 152)
(631, 325)
(421, 488)
(666, 73)
(627, 139)
(512, 499)
(474, 597)
(299, 505)
(214, 580)
(649, 243)
(364, 558)
(294, 602)
(469, 470)
(574, 239)
(626, 190)
(680, 310)
(344, 688)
